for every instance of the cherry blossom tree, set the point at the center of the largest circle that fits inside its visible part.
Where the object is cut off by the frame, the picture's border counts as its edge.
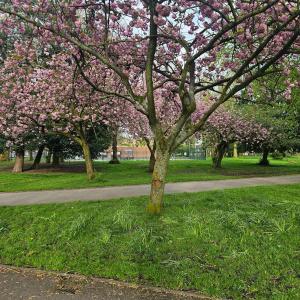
(188, 47)
(226, 126)
(18, 123)
(49, 97)
(67, 104)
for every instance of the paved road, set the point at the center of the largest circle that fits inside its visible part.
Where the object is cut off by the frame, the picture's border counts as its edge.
(22, 283)
(107, 193)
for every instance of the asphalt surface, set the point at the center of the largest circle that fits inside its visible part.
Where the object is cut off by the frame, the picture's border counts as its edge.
(108, 193)
(24, 283)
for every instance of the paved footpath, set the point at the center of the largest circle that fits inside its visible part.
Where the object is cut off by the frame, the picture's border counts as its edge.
(25, 283)
(108, 193)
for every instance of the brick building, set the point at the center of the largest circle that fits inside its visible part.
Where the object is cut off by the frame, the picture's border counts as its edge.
(130, 152)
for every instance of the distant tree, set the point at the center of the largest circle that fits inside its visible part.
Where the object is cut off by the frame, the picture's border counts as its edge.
(274, 103)
(228, 125)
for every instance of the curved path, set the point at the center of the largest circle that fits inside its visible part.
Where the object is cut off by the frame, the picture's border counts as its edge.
(24, 283)
(107, 193)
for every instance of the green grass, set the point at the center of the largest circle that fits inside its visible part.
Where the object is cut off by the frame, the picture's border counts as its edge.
(234, 244)
(135, 172)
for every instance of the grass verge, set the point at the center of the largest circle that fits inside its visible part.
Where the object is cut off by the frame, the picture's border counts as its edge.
(135, 172)
(241, 243)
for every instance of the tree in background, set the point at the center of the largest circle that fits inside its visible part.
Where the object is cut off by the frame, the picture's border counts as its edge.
(18, 122)
(48, 97)
(274, 103)
(226, 126)
(61, 147)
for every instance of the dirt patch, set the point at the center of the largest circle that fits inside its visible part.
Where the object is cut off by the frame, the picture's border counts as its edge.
(27, 283)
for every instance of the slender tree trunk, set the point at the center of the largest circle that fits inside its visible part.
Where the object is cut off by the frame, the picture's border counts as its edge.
(8, 153)
(151, 161)
(49, 156)
(158, 181)
(235, 150)
(38, 157)
(264, 160)
(89, 165)
(30, 155)
(114, 159)
(19, 162)
(56, 155)
(219, 154)
(152, 150)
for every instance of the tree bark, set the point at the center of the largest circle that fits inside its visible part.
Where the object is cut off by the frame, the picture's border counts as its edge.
(8, 154)
(49, 156)
(114, 159)
(89, 165)
(55, 159)
(19, 162)
(158, 182)
(264, 160)
(38, 158)
(152, 150)
(219, 154)
(30, 155)
(235, 150)
(151, 161)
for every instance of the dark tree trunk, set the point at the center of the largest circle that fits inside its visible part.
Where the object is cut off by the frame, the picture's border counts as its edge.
(38, 158)
(151, 161)
(152, 150)
(114, 159)
(218, 154)
(264, 160)
(30, 155)
(56, 156)
(19, 162)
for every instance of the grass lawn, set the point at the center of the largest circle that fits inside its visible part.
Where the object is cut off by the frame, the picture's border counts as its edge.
(135, 172)
(235, 244)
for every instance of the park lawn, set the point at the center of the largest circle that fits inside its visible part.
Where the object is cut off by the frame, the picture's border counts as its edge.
(135, 172)
(234, 244)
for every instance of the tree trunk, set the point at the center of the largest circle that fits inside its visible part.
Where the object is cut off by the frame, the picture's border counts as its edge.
(19, 162)
(49, 156)
(152, 150)
(56, 155)
(264, 160)
(30, 155)
(235, 150)
(114, 159)
(38, 158)
(8, 154)
(158, 182)
(219, 154)
(89, 165)
(151, 161)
